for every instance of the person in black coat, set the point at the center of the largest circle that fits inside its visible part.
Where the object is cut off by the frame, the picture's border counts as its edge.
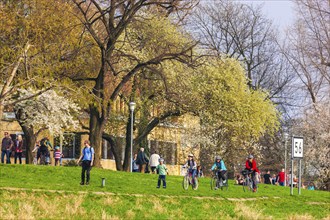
(142, 160)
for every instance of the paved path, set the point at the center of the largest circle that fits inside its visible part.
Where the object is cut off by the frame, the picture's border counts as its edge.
(136, 195)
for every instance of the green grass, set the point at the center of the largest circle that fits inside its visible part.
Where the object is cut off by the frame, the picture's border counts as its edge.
(134, 196)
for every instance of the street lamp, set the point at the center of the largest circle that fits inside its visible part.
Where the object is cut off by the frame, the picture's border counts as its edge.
(286, 135)
(131, 108)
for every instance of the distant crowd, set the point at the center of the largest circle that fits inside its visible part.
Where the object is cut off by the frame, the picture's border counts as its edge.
(279, 179)
(42, 151)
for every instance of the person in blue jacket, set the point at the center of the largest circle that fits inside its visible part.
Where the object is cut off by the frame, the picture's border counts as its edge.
(219, 165)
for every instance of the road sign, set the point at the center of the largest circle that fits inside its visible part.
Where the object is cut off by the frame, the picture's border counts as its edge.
(297, 147)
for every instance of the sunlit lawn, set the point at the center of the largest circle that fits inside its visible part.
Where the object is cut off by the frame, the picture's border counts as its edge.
(135, 195)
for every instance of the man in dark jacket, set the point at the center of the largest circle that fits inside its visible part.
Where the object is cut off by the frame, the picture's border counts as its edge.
(142, 160)
(6, 148)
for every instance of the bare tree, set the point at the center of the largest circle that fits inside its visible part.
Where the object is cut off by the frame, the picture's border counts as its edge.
(309, 48)
(242, 32)
(308, 51)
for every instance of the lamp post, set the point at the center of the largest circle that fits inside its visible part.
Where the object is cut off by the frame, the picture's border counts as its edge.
(131, 108)
(286, 135)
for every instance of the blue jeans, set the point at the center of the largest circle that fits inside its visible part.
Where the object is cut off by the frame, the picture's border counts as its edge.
(193, 174)
(162, 177)
(254, 179)
(7, 153)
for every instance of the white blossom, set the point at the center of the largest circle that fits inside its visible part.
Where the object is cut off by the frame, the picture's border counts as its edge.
(48, 111)
(315, 128)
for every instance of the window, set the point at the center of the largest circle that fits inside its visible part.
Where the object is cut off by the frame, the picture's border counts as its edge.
(167, 150)
(70, 145)
(106, 148)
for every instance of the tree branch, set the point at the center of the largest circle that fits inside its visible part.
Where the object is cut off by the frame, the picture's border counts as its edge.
(153, 123)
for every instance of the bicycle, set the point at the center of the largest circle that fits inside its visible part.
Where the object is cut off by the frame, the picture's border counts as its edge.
(187, 180)
(247, 181)
(218, 184)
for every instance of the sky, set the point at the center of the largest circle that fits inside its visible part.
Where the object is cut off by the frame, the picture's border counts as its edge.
(281, 12)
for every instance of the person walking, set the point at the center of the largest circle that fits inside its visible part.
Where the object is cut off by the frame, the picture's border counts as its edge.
(87, 158)
(49, 146)
(142, 160)
(135, 166)
(19, 149)
(58, 155)
(162, 170)
(43, 153)
(199, 172)
(154, 161)
(36, 153)
(6, 147)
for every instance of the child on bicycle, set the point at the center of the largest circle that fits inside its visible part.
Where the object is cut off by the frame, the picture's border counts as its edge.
(219, 165)
(162, 170)
(251, 166)
(191, 165)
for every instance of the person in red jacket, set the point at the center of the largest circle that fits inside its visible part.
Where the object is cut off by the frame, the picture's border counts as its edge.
(251, 165)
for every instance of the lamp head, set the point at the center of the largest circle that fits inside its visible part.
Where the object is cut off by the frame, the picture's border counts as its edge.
(132, 106)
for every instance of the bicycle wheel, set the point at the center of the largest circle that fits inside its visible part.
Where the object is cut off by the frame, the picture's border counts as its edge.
(246, 184)
(185, 183)
(224, 186)
(214, 182)
(195, 184)
(250, 185)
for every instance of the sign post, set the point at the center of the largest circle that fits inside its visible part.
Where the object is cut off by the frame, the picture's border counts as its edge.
(297, 152)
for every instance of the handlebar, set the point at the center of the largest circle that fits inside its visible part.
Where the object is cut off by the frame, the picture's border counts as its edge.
(194, 167)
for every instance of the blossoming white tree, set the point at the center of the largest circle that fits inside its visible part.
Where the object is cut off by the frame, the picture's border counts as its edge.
(48, 111)
(315, 128)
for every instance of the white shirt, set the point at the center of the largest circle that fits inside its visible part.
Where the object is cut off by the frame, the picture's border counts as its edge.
(154, 160)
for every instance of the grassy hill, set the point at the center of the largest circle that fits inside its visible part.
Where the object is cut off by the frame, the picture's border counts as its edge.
(42, 192)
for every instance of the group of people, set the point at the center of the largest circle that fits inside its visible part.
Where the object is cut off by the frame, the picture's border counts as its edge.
(141, 163)
(42, 153)
(11, 147)
(280, 179)
(42, 150)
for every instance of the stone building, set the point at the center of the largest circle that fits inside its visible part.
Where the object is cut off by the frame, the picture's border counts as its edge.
(170, 140)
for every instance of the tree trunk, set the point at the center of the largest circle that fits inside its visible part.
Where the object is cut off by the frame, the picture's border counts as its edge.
(1, 110)
(113, 148)
(117, 156)
(96, 125)
(30, 139)
(30, 136)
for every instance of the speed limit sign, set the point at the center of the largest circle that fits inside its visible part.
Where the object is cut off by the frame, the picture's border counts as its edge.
(297, 147)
